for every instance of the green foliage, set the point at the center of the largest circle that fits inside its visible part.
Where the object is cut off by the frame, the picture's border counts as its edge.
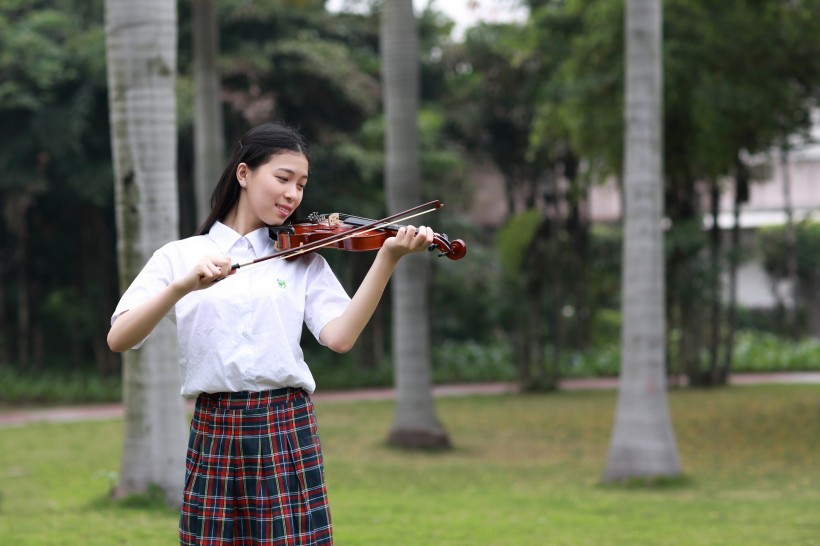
(604, 280)
(53, 387)
(762, 352)
(716, 102)
(301, 65)
(342, 374)
(34, 60)
(583, 92)
(471, 362)
(773, 247)
(599, 361)
(57, 230)
(468, 293)
(51, 77)
(514, 241)
(492, 82)
(754, 352)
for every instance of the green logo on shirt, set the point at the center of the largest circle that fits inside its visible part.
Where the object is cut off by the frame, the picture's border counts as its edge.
(282, 284)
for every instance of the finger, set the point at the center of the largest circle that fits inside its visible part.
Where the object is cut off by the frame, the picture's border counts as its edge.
(210, 271)
(429, 235)
(226, 266)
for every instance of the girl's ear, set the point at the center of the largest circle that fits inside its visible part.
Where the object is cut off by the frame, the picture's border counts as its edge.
(242, 174)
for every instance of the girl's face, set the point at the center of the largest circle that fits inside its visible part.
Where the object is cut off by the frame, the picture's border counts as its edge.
(272, 191)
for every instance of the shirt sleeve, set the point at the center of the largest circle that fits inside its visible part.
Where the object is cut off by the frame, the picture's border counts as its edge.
(325, 297)
(155, 276)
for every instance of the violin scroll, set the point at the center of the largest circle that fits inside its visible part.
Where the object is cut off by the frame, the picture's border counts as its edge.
(454, 250)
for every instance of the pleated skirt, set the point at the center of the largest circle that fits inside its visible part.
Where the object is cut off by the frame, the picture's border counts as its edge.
(254, 472)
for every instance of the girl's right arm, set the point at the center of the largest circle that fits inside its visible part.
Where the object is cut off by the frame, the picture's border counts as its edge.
(134, 325)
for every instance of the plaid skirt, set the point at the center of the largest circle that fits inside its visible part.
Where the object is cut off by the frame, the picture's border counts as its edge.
(254, 472)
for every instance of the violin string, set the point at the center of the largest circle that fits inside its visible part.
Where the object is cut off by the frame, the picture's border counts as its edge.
(318, 246)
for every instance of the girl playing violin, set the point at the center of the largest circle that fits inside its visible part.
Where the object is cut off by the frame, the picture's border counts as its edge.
(254, 467)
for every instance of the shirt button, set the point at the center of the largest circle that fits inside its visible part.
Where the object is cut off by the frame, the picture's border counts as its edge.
(245, 334)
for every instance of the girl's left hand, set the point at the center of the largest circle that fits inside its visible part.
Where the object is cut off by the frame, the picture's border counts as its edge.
(409, 239)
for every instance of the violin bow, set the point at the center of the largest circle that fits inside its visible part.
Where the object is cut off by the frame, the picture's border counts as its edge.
(372, 226)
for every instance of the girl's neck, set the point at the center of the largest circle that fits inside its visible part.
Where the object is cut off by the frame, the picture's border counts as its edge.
(241, 223)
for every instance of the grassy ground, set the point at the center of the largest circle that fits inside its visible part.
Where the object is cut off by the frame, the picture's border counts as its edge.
(524, 471)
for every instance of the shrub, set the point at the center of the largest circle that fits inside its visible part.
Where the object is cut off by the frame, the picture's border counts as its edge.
(50, 387)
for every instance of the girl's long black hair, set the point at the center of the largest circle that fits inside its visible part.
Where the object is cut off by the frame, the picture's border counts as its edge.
(256, 148)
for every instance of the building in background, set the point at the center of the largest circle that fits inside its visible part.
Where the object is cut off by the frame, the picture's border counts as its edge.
(766, 207)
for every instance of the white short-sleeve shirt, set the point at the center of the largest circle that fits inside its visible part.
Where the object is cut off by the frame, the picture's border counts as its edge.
(243, 333)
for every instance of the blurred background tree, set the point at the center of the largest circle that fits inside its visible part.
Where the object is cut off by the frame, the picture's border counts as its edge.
(141, 61)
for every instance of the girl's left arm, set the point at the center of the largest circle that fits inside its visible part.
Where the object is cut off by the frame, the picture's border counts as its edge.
(341, 333)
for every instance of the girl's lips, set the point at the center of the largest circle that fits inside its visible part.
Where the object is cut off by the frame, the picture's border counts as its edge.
(284, 210)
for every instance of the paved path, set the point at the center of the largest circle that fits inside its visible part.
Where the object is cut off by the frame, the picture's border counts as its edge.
(18, 417)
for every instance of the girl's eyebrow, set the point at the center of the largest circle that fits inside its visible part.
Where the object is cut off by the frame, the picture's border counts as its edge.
(289, 171)
(286, 169)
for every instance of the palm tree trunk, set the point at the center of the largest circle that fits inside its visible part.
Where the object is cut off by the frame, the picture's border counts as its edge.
(643, 442)
(141, 58)
(415, 424)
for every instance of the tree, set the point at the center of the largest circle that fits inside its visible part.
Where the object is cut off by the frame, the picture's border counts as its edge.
(643, 442)
(209, 138)
(55, 166)
(718, 109)
(493, 107)
(141, 58)
(415, 424)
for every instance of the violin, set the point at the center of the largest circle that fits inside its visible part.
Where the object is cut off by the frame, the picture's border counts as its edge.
(322, 226)
(351, 233)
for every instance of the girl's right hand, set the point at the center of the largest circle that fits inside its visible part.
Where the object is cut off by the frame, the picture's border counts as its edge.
(205, 273)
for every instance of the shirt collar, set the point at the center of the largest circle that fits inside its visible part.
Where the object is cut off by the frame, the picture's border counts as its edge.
(225, 238)
(260, 241)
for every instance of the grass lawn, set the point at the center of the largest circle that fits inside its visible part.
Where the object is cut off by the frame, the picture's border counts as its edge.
(524, 471)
